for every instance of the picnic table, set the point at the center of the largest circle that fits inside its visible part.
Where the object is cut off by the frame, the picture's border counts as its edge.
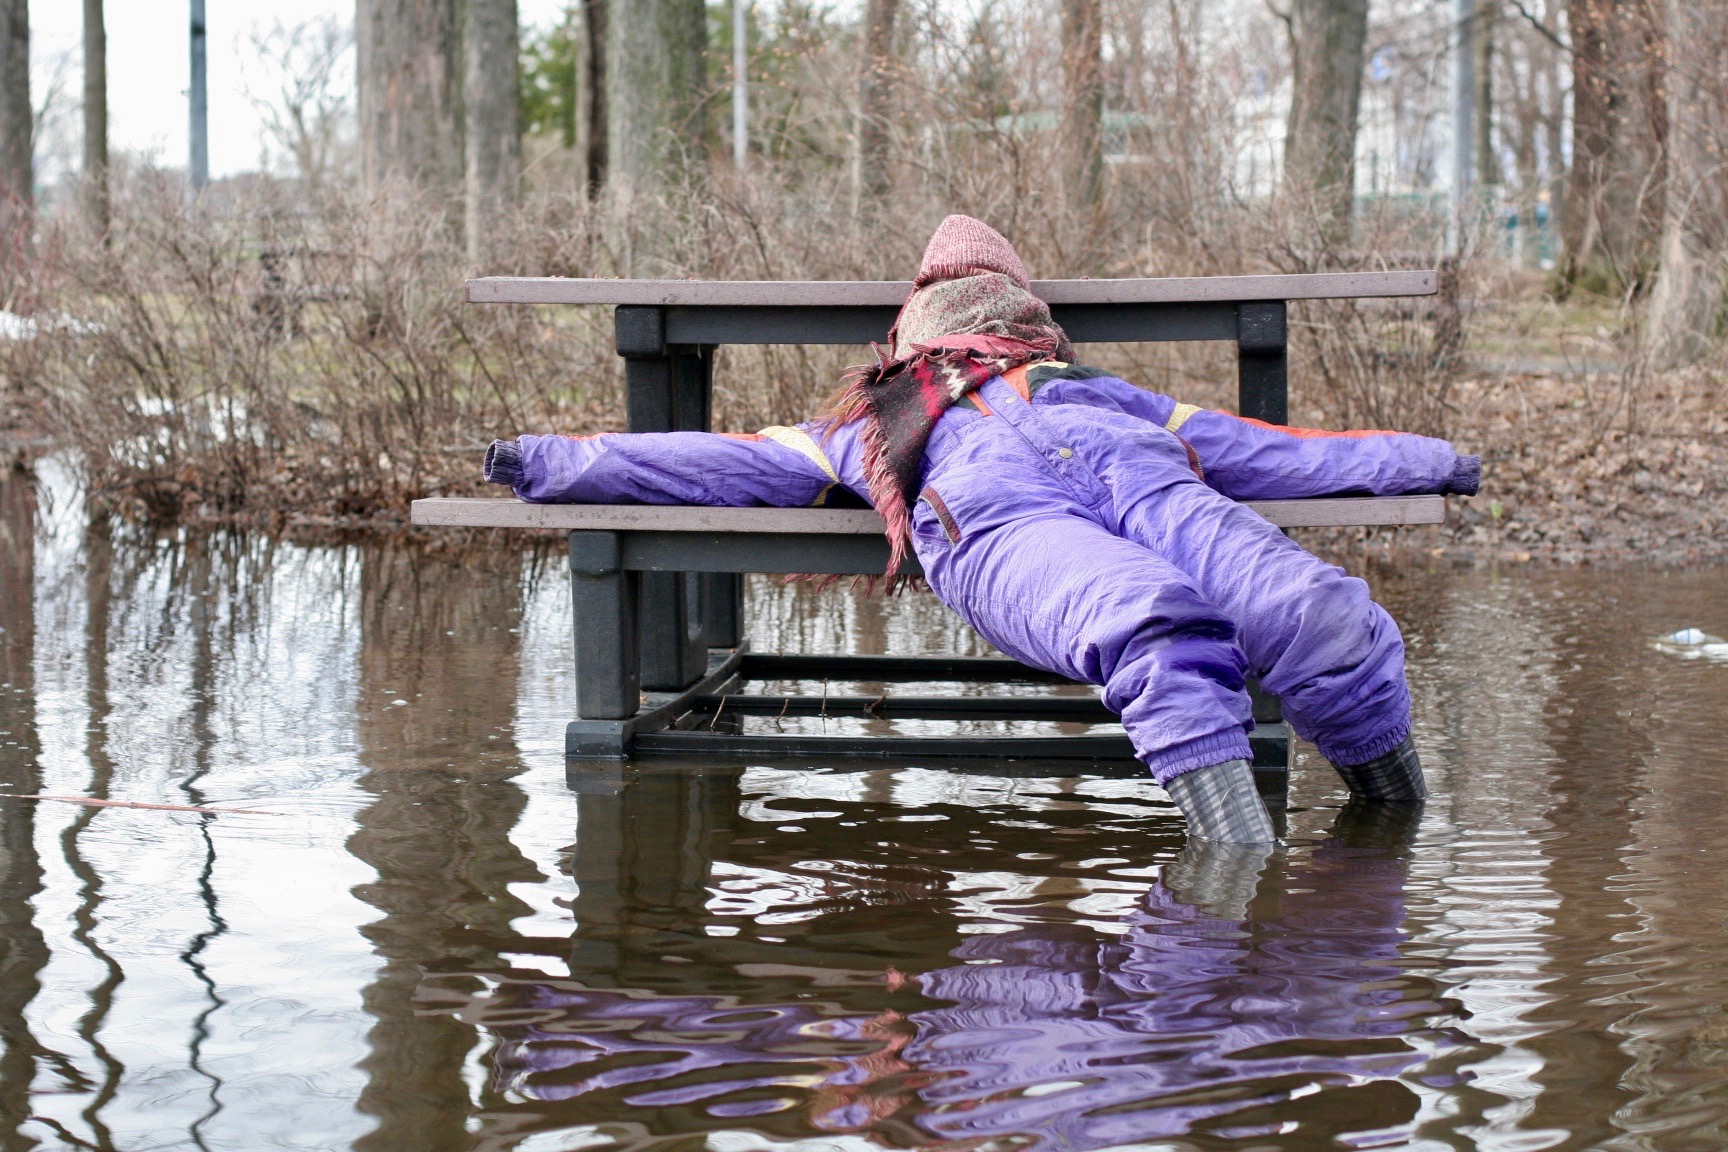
(662, 659)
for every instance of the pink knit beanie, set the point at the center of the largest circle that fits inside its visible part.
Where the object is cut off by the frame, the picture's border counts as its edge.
(962, 246)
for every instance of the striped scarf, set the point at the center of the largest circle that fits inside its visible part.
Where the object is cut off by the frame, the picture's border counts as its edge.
(900, 401)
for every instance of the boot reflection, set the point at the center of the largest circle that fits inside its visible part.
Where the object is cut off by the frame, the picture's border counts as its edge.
(1217, 880)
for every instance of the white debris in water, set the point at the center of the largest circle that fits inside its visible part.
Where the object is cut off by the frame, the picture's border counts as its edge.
(1694, 644)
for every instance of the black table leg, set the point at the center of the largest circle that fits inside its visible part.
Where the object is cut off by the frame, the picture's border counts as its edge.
(1262, 372)
(666, 391)
(604, 599)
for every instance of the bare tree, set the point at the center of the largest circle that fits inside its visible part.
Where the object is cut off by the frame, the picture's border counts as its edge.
(1082, 123)
(17, 122)
(95, 117)
(591, 91)
(1327, 38)
(407, 68)
(307, 113)
(1686, 306)
(1531, 114)
(657, 117)
(491, 101)
(1613, 204)
(870, 175)
(1487, 19)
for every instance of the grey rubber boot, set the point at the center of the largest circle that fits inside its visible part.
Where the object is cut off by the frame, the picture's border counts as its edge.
(1397, 775)
(1222, 804)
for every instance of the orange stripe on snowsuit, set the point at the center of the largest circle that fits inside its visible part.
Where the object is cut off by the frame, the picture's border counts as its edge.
(1016, 379)
(1311, 433)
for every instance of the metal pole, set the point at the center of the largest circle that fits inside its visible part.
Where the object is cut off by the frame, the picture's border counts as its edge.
(198, 162)
(740, 89)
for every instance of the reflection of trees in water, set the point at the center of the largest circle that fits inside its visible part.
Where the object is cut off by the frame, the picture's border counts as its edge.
(1541, 762)
(1632, 796)
(98, 594)
(800, 617)
(157, 653)
(876, 1006)
(435, 632)
(197, 586)
(23, 951)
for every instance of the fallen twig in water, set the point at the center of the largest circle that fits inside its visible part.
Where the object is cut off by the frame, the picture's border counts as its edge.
(92, 802)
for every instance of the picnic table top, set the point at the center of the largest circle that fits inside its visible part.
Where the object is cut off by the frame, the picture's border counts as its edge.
(508, 512)
(892, 293)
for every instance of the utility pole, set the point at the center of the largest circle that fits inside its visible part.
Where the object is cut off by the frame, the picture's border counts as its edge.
(740, 88)
(96, 117)
(198, 162)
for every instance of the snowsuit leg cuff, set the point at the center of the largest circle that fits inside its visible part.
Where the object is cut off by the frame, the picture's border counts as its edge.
(1466, 476)
(1368, 749)
(1201, 752)
(503, 463)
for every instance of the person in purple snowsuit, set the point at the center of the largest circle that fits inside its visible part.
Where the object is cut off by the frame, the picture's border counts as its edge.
(1082, 525)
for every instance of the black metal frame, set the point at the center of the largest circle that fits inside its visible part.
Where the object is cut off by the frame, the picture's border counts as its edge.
(660, 656)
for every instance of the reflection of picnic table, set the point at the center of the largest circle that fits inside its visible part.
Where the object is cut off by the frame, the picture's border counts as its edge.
(656, 588)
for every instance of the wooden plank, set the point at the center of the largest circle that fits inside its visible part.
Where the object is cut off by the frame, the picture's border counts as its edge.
(891, 293)
(507, 512)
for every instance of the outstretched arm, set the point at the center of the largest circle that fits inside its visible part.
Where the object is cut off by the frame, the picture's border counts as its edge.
(779, 466)
(1251, 460)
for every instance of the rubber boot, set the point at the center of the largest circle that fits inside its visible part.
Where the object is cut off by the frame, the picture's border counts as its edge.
(1222, 804)
(1397, 775)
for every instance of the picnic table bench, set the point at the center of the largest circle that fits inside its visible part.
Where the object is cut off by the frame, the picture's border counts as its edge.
(661, 655)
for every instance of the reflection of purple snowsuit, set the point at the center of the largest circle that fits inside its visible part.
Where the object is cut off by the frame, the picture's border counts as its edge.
(1183, 1020)
(1050, 1033)
(1072, 531)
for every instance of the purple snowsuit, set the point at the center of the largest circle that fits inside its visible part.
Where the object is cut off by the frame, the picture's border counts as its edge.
(1074, 531)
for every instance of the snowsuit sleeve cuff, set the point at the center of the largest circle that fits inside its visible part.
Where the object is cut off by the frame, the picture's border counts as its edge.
(1466, 476)
(504, 463)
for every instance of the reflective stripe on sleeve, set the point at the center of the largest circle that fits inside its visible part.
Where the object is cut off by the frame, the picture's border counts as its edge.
(805, 445)
(1179, 416)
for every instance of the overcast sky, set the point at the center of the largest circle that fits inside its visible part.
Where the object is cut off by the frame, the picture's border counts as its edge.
(148, 68)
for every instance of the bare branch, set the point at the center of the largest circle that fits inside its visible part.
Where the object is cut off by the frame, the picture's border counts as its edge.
(1547, 32)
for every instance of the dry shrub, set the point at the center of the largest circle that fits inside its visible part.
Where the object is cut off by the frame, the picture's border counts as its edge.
(249, 358)
(267, 353)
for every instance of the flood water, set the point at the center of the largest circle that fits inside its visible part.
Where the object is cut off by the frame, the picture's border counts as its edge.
(419, 936)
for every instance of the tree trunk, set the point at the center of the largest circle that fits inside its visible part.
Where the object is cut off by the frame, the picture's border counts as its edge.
(1613, 208)
(1328, 38)
(870, 175)
(591, 92)
(1082, 124)
(657, 118)
(17, 119)
(491, 100)
(95, 117)
(1482, 107)
(1686, 306)
(406, 67)
(1554, 133)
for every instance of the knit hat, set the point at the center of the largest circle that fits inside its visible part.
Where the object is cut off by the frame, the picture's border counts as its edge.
(962, 246)
(972, 283)
(976, 304)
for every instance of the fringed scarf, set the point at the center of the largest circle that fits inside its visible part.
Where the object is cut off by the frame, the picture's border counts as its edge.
(900, 401)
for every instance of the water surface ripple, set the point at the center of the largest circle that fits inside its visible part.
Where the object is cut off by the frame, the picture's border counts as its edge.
(420, 936)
